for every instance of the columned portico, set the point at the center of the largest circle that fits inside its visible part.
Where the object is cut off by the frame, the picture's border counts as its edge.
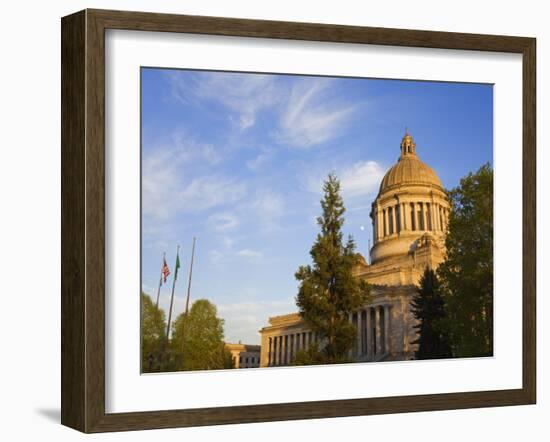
(291, 335)
(373, 325)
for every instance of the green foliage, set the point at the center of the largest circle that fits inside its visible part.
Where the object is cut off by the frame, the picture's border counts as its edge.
(467, 274)
(428, 308)
(311, 356)
(198, 340)
(328, 290)
(153, 326)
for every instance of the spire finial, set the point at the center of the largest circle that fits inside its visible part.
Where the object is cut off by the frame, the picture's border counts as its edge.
(408, 147)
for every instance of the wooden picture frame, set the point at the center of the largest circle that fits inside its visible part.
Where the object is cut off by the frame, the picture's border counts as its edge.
(83, 220)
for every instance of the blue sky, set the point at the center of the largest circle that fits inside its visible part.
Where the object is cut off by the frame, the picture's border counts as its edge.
(237, 160)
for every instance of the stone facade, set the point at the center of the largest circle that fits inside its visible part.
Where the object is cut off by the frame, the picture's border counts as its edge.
(409, 218)
(244, 355)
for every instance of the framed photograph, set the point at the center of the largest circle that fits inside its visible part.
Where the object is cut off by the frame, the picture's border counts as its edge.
(268, 221)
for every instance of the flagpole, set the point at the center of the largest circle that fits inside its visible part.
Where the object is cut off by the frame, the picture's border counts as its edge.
(190, 276)
(160, 281)
(172, 297)
(188, 294)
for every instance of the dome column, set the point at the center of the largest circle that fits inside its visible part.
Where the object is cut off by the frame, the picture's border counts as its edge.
(432, 214)
(426, 214)
(423, 209)
(407, 215)
(401, 216)
(378, 221)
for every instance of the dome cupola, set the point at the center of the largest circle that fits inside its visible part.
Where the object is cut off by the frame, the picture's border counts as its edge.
(408, 146)
(409, 169)
(411, 203)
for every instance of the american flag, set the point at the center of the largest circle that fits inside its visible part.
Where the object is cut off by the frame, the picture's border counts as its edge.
(165, 270)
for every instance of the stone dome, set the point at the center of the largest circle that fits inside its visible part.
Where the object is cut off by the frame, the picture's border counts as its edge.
(411, 203)
(409, 169)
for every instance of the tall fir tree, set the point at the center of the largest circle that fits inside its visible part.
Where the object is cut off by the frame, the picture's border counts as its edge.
(428, 308)
(466, 276)
(328, 290)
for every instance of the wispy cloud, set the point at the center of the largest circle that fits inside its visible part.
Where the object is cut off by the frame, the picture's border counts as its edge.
(259, 162)
(268, 204)
(222, 222)
(166, 189)
(228, 242)
(218, 256)
(184, 148)
(215, 256)
(244, 95)
(307, 112)
(252, 255)
(357, 180)
(210, 191)
(267, 208)
(312, 115)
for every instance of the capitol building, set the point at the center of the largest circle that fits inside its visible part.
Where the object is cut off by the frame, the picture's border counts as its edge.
(409, 218)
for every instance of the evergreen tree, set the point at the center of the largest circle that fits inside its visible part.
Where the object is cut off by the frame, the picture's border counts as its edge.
(428, 308)
(198, 339)
(466, 276)
(153, 326)
(328, 290)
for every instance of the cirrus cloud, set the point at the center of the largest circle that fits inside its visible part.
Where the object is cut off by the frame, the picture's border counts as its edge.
(312, 115)
(244, 95)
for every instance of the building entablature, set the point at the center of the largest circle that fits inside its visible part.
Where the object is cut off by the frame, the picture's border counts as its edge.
(407, 195)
